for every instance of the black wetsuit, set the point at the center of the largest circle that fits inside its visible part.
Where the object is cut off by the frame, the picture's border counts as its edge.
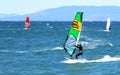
(80, 51)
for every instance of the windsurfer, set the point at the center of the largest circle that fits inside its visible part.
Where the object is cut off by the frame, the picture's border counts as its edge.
(80, 50)
(27, 23)
(109, 28)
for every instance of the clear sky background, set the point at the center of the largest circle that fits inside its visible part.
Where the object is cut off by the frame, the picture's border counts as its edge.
(31, 6)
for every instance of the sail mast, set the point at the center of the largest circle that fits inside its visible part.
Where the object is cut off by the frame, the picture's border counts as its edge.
(78, 38)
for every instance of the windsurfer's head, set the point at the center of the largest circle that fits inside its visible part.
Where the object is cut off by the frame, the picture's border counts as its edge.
(79, 45)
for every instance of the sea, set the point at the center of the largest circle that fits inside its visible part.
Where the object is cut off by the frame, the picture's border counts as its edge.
(39, 50)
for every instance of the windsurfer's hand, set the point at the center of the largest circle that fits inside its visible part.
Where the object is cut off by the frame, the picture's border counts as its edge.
(74, 45)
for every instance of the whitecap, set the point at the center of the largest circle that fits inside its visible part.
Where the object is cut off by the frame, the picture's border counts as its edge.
(58, 48)
(37, 50)
(6, 51)
(110, 44)
(106, 58)
(21, 51)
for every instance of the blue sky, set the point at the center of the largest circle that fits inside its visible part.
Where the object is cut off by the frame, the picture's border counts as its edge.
(31, 6)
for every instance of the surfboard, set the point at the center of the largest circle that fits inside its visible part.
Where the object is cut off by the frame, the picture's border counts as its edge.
(66, 58)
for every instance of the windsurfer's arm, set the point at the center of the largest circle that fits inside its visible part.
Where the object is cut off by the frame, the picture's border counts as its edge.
(75, 45)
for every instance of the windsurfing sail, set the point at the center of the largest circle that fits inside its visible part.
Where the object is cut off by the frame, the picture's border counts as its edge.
(108, 24)
(73, 35)
(27, 23)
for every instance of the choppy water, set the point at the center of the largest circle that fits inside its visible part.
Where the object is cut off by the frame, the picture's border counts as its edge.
(39, 51)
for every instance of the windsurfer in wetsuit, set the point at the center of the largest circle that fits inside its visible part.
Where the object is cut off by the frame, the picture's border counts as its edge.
(109, 28)
(80, 50)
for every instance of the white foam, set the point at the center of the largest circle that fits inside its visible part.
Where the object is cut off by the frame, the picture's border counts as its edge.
(6, 51)
(106, 58)
(110, 44)
(87, 38)
(58, 48)
(41, 50)
(88, 45)
(37, 50)
(91, 44)
(9, 51)
(49, 26)
(105, 30)
(48, 49)
(21, 51)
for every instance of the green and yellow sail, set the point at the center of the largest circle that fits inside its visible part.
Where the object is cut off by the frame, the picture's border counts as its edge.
(73, 35)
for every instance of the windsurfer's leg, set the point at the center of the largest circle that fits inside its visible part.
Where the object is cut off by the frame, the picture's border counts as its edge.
(78, 55)
(71, 57)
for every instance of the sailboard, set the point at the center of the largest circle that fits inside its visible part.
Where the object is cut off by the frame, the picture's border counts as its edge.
(27, 23)
(67, 58)
(73, 35)
(108, 25)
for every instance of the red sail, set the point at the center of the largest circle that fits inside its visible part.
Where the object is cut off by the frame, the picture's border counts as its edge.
(27, 23)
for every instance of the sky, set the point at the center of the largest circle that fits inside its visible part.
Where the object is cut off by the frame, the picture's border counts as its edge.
(22, 7)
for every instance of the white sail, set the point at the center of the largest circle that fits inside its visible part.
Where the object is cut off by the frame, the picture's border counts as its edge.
(108, 24)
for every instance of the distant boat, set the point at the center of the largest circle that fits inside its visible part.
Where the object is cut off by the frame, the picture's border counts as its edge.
(73, 35)
(27, 23)
(108, 25)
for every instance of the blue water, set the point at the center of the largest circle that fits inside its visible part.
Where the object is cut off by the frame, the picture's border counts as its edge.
(39, 51)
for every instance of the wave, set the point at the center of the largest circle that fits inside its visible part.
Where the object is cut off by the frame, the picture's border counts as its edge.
(22, 51)
(106, 58)
(48, 25)
(5, 51)
(39, 50)
(89, 43)
(110, 44)
(58, 48)
(47, 49)
(104, 30)
(92, 44)
(9, 51)
(11, 29)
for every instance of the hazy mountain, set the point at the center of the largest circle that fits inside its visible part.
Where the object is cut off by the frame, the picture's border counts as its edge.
(67, 13)
(8, 15)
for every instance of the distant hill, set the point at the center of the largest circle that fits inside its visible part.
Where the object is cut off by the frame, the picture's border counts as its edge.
(8, 15)
(67, 13)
